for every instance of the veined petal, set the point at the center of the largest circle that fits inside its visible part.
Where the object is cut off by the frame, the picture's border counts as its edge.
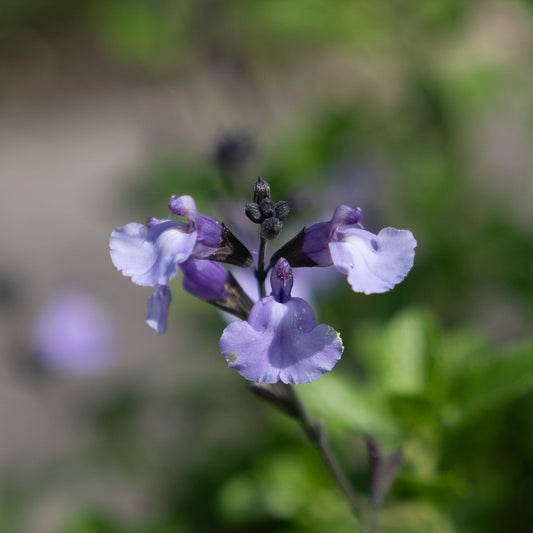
(157, 309)
(151, 256)
(373, 263)
(280, 342)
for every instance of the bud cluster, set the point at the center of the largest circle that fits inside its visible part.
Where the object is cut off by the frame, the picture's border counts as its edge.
(263, 210)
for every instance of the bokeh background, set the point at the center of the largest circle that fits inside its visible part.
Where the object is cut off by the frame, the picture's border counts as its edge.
(421, 113)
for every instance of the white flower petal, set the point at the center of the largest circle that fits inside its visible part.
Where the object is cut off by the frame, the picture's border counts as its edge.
(373, 263)
(151, 256)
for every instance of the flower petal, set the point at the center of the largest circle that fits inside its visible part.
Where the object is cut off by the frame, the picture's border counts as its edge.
(209, 234)
(309, 355)
(150, 256)
(246, 350)
(204, 279)
(157, 309)
(280, 342)
(318, 236)
(315, 244)
(373, 263)
(183, 206)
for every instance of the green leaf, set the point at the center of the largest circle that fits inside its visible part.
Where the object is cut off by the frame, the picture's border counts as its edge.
(347, 405)
(414, 516)
(397, 354)
(499, 380)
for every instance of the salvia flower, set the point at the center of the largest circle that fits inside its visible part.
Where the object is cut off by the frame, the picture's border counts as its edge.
(372, 263)
(280, 340)
(150, 254)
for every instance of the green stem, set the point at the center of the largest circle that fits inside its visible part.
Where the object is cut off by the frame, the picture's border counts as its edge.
(314, 431)
(316, 435)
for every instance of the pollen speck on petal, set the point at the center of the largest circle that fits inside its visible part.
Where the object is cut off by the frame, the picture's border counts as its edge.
(232, 357)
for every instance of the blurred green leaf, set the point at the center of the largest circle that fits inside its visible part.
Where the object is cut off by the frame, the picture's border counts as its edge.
(348, 406)
(288, 485)
(458, 352)
(497, 381)
(397, 354)
(414, 517)
(140, 33)
(92, 522)
(280, 486)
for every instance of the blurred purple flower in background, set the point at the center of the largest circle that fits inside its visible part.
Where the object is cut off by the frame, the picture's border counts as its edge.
(75, 335)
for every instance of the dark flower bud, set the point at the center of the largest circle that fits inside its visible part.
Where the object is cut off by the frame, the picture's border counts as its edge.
(261, 190)
(268, 208)
(271, 228)
(282, 209)
(253, 213)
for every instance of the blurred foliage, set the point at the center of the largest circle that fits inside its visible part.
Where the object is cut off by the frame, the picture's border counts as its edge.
(155, 34)
(442, 365)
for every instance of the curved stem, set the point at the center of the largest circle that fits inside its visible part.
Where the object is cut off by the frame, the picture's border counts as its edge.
(313, 430)
(316, 435)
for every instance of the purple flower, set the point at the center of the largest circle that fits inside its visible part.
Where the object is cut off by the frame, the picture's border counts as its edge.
(150, 254)
(372, 263)
(75, 335)
(280, 340)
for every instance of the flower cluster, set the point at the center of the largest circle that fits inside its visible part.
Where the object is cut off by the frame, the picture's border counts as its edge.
(276, 338)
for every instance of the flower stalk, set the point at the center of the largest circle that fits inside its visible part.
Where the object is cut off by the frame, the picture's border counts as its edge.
(287, 400)
(260, 272)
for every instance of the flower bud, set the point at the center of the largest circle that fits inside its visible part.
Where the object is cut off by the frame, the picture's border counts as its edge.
(282, 209)
(271, 228)
(267, 208)
(281, 280)
(253, 213)
(261, 190)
